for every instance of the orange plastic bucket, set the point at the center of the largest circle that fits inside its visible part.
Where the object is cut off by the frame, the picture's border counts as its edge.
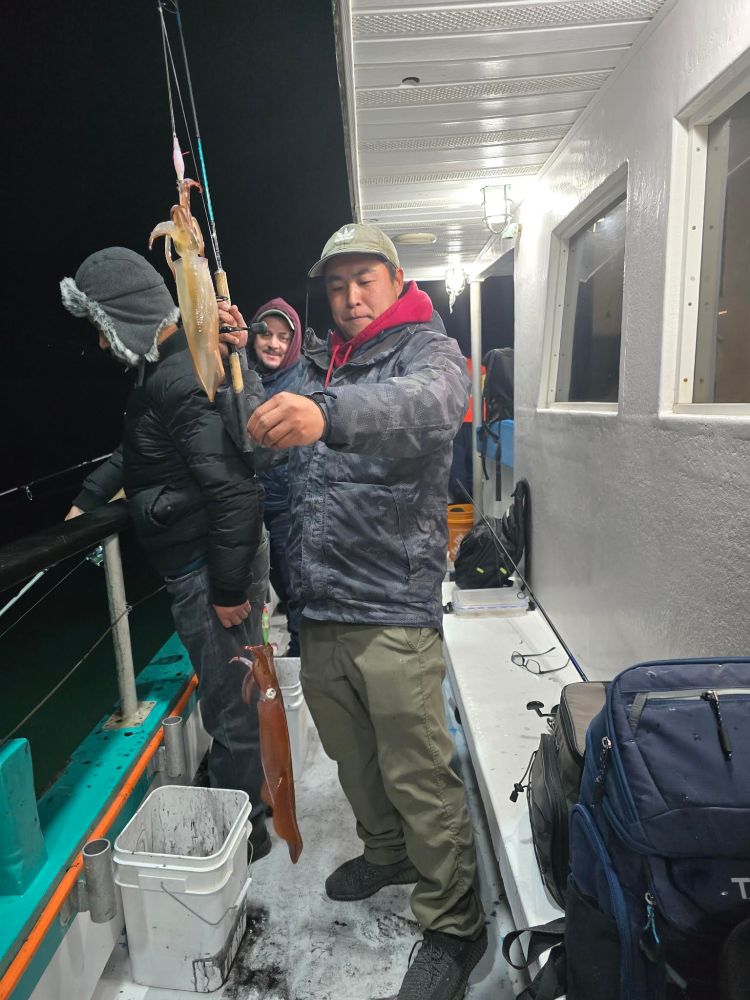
(460, 523)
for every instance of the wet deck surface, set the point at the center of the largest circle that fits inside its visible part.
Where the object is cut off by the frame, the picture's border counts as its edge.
(300, 945)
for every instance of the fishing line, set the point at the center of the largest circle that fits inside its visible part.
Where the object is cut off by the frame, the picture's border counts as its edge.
(42, 598)
(80, 663)
(26, 488)
(201, 159)
(524, 582)
(169, 61)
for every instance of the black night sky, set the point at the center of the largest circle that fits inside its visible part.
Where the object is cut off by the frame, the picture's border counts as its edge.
(87, 163)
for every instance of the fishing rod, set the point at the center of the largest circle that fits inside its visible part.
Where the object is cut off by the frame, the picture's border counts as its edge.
(525, 583)
(220, 277)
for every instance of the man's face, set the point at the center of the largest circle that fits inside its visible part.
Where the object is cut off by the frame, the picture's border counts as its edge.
(359, 288)
(270, 347)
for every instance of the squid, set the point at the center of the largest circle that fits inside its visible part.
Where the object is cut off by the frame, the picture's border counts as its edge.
(275, 749)
(195, 289)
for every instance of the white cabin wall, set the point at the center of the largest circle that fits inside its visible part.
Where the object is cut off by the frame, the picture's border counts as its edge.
(641, 518)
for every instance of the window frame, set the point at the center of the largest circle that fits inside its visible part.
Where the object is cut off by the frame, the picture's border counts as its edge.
(695, 121)
(611, 190)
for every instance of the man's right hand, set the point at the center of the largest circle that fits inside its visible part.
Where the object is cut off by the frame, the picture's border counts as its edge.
(286, 420)
(234, 615)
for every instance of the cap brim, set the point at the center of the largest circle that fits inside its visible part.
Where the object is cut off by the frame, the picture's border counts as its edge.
(276, 312)
(316, 271)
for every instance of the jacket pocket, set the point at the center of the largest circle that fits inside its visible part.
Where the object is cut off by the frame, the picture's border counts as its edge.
(364, 548)
(156, 509)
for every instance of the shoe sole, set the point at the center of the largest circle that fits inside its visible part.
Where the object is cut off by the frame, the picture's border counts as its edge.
(407, 878)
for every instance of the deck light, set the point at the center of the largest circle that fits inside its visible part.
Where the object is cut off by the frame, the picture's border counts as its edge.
(455, 282)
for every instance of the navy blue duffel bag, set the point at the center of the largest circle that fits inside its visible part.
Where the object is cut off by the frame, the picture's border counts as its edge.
(660, 837)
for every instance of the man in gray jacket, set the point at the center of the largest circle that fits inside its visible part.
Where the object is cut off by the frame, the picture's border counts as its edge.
(371, 429)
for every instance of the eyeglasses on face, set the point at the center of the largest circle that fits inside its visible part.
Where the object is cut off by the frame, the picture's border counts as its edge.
(530, 662)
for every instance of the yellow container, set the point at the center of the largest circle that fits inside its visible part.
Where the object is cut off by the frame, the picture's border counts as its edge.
(460, 523)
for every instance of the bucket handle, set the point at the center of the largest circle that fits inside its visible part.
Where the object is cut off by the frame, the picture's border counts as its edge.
(211, 923)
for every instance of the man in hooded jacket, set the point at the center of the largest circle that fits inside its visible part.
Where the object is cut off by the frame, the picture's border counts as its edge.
(370, 428)
(277, 359)
(195, 503)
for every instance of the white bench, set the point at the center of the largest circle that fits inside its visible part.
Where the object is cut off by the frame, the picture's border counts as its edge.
(491, 693)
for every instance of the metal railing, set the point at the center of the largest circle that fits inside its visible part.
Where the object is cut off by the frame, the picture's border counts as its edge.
(36, 553)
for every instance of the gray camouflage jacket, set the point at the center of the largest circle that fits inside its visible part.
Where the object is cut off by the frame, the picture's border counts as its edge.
(369, 524)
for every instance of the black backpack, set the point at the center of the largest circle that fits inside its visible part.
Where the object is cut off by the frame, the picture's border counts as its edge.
(554, 778)
(481, 561)
(497, 404)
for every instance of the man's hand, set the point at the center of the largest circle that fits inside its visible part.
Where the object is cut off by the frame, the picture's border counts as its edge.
(234, 615)
(286, 420)
(74, 512)
(231, 316)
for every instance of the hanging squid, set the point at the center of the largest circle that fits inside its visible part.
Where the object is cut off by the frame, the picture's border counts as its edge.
(275, 749)
(195, 290)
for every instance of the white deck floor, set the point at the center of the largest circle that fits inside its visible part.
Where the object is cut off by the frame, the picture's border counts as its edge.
(302, 946)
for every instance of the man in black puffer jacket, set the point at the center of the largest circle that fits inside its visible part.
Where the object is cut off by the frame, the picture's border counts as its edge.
(193, 497)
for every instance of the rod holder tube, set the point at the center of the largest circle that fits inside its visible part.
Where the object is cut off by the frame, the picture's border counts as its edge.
(101, 895)
(174, 747)
(118, 616)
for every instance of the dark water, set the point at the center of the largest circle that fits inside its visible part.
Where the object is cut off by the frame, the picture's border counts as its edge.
(39, 645)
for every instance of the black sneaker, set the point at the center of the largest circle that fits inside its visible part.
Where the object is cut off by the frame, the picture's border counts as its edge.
(442, 967)
(359, 878)
(259, 843)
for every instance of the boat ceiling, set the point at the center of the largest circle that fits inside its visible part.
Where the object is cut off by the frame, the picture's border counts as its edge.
(441, 100)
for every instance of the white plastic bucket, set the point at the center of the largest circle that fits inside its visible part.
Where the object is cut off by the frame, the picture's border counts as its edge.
(181, 863)
(298, 718)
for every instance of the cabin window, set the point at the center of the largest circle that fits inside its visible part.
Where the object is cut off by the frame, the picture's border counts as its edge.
(593, 261)
(722, 307)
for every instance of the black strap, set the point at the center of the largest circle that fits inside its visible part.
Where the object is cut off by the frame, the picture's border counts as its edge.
(541, 939)
(550, 982)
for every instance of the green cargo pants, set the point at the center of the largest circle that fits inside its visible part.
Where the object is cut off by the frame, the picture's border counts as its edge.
(376, 698)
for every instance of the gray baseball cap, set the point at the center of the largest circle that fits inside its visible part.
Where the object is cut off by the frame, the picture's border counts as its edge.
(356, 237)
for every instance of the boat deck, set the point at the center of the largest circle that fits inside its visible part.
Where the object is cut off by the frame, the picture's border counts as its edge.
(302, 946)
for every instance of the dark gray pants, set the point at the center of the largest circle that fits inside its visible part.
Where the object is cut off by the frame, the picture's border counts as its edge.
(234, 760)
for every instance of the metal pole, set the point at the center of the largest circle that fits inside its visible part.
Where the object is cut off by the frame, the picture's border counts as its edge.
(118, 615)
(174, 747)
(475, 293)
(100, 884)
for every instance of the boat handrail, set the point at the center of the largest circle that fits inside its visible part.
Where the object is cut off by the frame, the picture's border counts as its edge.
(23, 557)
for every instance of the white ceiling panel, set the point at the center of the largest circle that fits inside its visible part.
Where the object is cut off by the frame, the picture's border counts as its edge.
(408, 117)
(408, 127)
(493, 45)
(472, 70)
(446, 98)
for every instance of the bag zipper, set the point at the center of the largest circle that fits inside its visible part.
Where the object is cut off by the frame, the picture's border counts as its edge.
(601, 773)
(711, 696)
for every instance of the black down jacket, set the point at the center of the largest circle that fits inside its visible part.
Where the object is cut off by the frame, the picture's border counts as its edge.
(191, 493)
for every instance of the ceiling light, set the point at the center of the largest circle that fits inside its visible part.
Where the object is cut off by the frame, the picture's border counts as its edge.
(496, 207)
(455, 282)
(415, 239)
